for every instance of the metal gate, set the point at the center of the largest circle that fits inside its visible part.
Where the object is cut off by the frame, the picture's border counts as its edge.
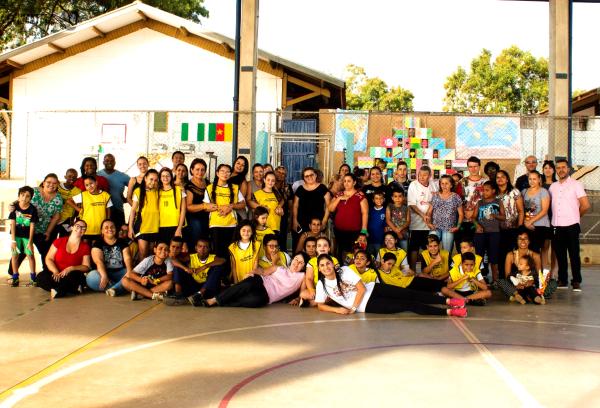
(298, 150)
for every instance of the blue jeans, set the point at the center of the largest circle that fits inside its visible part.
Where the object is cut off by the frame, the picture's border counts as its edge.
(189, 286)
(446, 237)
(93, 280)
(403, 243)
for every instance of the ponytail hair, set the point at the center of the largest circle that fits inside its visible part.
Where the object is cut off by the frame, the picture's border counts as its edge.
(143, 198)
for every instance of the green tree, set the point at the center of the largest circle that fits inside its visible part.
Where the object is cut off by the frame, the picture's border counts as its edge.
(364, 93)
(23, 21)
(515, 82)
(578, 92)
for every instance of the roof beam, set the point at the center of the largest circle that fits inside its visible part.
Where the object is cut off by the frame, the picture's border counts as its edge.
(4, 80)
(227, 47)
(14, 64)
(142, 15)
(184, 31)
(310, 87)
(56, 48)
(301, 98)
(98, 31)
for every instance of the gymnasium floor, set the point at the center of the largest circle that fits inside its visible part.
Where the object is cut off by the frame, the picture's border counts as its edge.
(95, 351)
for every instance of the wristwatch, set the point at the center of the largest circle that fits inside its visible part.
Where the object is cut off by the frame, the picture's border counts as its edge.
(353, 308)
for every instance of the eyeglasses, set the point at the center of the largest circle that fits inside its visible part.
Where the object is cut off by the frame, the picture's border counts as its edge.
(310, 175)
(389, 240)
(80, 227)
(531, 162)
(123, 231)
(225, 172)
(273, 246)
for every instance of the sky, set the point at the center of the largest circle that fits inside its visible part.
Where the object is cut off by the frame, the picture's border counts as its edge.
(412, 44)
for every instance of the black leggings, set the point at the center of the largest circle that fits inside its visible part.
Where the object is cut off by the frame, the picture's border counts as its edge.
(250, 292)
(530, 292)
(221, 239)
(345, 240)
(387, 299)
(68, 284)
(426, 285)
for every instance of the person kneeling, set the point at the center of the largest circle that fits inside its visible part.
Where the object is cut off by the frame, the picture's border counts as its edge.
(151, 277)
(467, 282)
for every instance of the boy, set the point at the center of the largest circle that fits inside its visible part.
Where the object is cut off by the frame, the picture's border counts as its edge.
(466, 281)
(397, 218)
(435, 261)
(377, 223)
(202, 278)
(151, 277)
(22, 227)
(67, 190)
(467, 245)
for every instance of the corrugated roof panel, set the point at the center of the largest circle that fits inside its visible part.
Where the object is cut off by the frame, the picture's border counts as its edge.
(32, 55)
(118, 21)
(75, 38)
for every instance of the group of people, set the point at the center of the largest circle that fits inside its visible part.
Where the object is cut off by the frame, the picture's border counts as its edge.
(356, 241)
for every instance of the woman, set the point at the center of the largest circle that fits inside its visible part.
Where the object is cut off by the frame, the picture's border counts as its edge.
(549, 177)
(181, 175)
(344, 169)
(254, 185)
(273, 256)
(113, 260)
(351, 217)
(264, 286)
(537, 202)
(136, 182)
(88, 168)
(144, 219)
(311, 200)
(348, 291)
(196, 215)
(267, 167)
(375, 185)
(336, 184)
(491, 170)
(269, 198)
(512, 200)
(67, 261)
(172, 207)
(287, 194)
(443, 212)
(238, 178)
(362, 177)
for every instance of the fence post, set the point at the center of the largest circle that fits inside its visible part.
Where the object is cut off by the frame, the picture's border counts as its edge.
(147, 134)
(534, 139)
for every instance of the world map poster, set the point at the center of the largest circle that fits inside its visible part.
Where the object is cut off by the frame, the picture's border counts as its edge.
(351, 130)
(488, 138)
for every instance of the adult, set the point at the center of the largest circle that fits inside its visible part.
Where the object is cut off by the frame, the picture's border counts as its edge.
(196, 216)
(264, 286)
(311, 200)
(113, 260)
(471, 187)
(89, 166)
(512, 200)
(352, 214)
(67, 261)
(362, 177)
(344, 169)
(117, 181)
(446, 212)
(376, 184)
(400, 182)
(238, 178)
(254, 185)
(285, 190)
(523, 181)
(336, 184)
(267, 167)
(270, 198)
(419, 198)
(181, 175)
(177, 158)
(135, 182)
(491, 169)
(537, 201)
(549, 177)
(569, 204)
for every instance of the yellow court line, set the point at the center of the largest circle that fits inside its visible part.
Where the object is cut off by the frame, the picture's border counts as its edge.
(77, 352)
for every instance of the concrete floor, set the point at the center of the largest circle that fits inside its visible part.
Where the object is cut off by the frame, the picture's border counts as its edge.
(96, 351)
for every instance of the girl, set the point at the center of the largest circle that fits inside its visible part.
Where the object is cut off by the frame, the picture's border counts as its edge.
(196, 216)
(315, 231)
(267, 167)
(244, 251)
(238, 178)
(537, 202)
(312, 272)
(144, 219)
(527, 282)
(260, 218)
(136, 182)
(172, 207)
(346, 289)
(361, 266)
(487, 214)
(397, 217)
(255, 184)
(273, 256)
(271, 199)
(181, 175)
(88, 168)
(390, 244)
(361, 242)
(95, 208)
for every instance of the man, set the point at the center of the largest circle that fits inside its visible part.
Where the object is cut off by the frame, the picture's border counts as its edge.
(523, 181)
(117, 181)
(569, 204)
(177, 158)
(471, 188)
(420, 193)
(400, 181)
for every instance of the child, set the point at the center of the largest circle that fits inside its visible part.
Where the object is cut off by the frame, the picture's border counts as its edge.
(315, 225)
(273, 256)
(362, 261)
(67, 190)
(526, 281)
(201, 278)
(389, 274)
(312, 272)
(310, 247)
(435, 261)
(397, 218)
(466, 281)
(259, 221)
(95, 208)
(377, 223)
(360, 243)
(467, 245)
(152, 277)
(244, 252)
(144, 219)
(172, 207)
(390, 241)
(22, 227)
(489, 212)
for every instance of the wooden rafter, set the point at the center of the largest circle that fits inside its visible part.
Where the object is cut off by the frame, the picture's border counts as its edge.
(5, 79)
(284, 95)
(310, 87)
(316, 91)
(56, 48)
(184, 31)
(14, 64)
(142, 15)
(98, 31)
(227, 47)
(4, 100)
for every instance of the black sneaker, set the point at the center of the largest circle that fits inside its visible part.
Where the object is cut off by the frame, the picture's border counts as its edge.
(196, 299)
(175, 299)
(477, 302)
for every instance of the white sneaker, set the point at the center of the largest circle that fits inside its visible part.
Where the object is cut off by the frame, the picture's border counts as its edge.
(111, 293)
(53, 293)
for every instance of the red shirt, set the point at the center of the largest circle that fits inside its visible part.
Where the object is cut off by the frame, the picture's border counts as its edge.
(102, 183)
(348, 216)
(63, 259)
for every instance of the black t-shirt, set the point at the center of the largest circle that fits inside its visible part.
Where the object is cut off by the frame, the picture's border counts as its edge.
(396, 186)
(522, 182)
(197, 198)
(369, 191)
(311, 204)
(113, 254)
(23, 220)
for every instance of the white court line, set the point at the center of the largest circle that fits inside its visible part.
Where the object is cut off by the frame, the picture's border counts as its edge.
(590, 230)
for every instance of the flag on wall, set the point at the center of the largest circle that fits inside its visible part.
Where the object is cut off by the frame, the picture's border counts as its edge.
(217, 132)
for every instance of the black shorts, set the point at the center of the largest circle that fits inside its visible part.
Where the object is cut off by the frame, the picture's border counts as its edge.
(148, 237)
(418, 240)
(466, 293)
(166, 233)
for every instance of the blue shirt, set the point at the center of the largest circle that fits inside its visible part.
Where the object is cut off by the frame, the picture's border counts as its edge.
(117, 181)
(376, 225)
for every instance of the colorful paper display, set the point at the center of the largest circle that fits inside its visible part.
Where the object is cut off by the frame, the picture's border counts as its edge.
(389, 142)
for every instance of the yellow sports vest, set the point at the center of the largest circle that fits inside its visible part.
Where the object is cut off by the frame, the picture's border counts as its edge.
(67, 211)
(457, 260)
(244, 259)
(456, 274)
(313, 263)
(133, 247)
(169, 214)
(93, 208)
(399, 252)
(263, 262)
(150, 214)
(269, 200)
(441, 268)
(369, 276)
(260, 236)
(395, 277)
(195, 263)
(222, 198)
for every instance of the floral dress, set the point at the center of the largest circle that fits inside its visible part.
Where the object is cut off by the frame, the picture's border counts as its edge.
(45, 209)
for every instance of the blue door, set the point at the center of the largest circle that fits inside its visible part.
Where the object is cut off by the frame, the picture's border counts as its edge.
(296, 155)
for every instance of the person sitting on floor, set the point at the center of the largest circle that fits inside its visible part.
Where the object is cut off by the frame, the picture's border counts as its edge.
(434, 260)
(467, 282)
(152, 277)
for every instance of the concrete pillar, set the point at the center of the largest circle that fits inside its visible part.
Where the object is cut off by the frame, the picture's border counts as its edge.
(558, 142)
(248, 70)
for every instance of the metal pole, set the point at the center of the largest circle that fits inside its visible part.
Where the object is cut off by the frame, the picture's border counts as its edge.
(236, 80)
(570, 121)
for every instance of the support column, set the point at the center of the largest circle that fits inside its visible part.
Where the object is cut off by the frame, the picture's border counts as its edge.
(558, 131)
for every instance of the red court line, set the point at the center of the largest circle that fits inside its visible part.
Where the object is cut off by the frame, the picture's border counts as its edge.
(229, 396)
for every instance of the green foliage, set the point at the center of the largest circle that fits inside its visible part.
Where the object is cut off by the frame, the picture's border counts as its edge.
(23, 21)
(364, 93)
(578, 92)
(516, 82)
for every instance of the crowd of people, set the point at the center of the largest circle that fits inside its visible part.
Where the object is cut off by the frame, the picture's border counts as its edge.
(361, 243)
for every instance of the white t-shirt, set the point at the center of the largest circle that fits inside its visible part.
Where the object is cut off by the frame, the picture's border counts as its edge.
(420, 195)
(345, 299)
